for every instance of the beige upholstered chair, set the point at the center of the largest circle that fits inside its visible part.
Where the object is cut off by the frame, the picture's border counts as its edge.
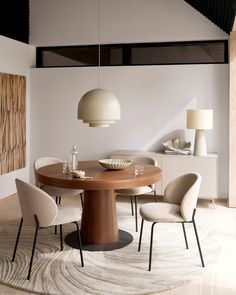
(39, 210)
(136, 191)
(53, 191)
(180, 199)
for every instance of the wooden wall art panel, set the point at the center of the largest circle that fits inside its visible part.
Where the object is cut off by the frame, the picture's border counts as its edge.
(12, 122)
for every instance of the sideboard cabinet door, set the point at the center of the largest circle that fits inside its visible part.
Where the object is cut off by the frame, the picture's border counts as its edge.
(176, 165)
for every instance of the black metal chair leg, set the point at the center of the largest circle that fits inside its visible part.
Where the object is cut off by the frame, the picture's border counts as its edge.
(58, 202)
(196, 234)
(185, 236)
(80, 244)
(34, 244)
(81, 199)
(198, 243)
(136, 213)
(150, 251)
(155, 195)
(140, 236)
(132, 205)
(61, 237)
(55, 225)
(17, 239)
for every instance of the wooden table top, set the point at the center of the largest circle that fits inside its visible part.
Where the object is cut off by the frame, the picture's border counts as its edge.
(101, 179)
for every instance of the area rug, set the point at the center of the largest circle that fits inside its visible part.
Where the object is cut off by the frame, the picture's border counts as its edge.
(122, 271)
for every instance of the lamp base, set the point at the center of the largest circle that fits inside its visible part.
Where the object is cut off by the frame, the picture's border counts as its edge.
(200, 147)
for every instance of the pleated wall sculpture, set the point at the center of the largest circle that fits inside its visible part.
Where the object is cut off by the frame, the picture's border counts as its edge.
(12, 122)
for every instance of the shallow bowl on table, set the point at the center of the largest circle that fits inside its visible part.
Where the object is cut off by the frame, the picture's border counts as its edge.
(114, 164)
(78, 173)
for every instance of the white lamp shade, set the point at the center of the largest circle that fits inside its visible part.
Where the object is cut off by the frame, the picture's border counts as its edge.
(200, 119)
(99, 108)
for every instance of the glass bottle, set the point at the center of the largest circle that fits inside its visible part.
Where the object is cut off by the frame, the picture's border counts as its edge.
(74, 158)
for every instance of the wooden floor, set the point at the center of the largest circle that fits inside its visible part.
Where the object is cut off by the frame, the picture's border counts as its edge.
(219, 281)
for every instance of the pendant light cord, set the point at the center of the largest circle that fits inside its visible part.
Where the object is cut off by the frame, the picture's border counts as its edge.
(99, 45)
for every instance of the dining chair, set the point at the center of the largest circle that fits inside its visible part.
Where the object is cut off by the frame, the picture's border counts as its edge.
(53, 191)
(39, 209)
(137, 191)
(179, 206)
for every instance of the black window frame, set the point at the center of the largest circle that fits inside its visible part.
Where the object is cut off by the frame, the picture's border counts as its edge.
(127, 52)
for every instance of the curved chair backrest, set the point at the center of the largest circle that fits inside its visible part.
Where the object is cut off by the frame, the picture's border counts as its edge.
(184, 191)
(44, 161)
(34, 201)
(147, 160)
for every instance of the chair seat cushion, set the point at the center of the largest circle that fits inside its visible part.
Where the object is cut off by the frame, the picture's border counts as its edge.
(66, 214)
(134, 191)
(60, 192)
(161, 212)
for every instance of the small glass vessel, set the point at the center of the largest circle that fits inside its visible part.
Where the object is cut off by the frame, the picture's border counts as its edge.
(74, 158)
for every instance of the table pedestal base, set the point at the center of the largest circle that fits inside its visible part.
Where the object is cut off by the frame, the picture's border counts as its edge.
(125, 239)
(99, 221)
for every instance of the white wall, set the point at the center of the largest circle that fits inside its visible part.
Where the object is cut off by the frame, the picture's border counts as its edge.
(153, 98)
(153, 103)
(16, 58)
(74, 22)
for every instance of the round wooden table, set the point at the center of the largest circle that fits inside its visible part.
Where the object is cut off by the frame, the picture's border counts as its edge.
(99, 228)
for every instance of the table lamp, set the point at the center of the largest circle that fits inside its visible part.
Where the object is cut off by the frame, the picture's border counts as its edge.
(200, 120)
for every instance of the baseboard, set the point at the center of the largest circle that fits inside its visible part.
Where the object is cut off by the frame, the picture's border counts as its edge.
(3, 200)
(221, 200)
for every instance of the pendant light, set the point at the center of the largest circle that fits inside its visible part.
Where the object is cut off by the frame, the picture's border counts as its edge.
(99, 107)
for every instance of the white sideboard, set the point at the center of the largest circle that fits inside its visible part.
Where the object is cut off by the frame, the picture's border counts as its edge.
(175, 165)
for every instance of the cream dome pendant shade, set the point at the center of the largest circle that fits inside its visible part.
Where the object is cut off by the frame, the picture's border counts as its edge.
(99, 108)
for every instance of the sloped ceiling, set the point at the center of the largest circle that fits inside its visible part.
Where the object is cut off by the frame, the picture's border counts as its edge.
(220, 12)
(14, 21)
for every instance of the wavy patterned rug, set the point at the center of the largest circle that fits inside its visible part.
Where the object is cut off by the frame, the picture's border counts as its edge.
(122, 271)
